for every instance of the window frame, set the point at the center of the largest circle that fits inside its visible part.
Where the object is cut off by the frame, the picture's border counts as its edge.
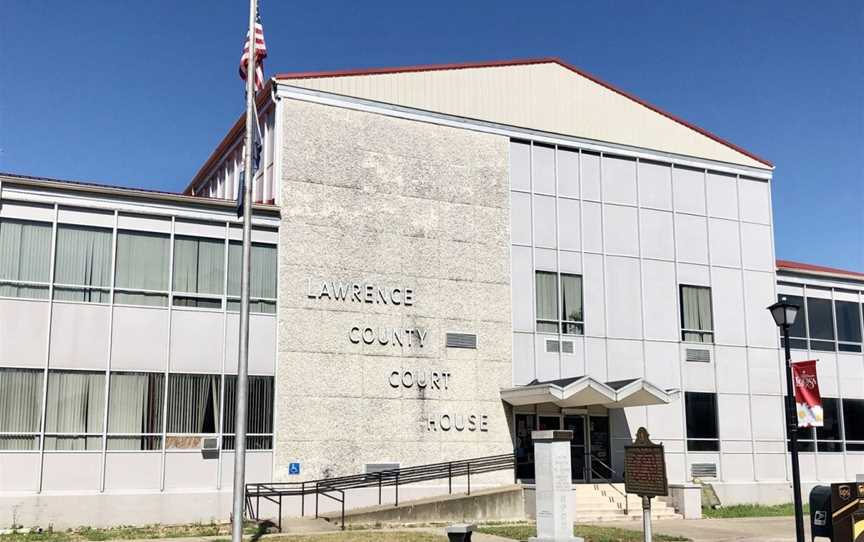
(88, 436)
(163, 294)
(692, 442)
(562, 325)
(829, 443)
(156, 437)
(232, 301)
(701, 332)
(42, 286)
(805, 340)
(254, 440)
(857, 444)
(105, 290)
(35, 435)
(198, 297)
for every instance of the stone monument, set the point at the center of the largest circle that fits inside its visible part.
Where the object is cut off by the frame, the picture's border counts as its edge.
(553, 483)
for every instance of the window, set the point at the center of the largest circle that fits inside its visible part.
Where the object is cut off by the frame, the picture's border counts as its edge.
(853, 414)
(546, 285)
(142, 268)
(82, 266)
(193, 408)
(820, 318)
(819, 315)
(25, 259)
(697, 324)
(74, 410)
(848, 326)
(701, 414)
(571, 310)
(259, 414)
(20, 408)
(199, 272)
(829, 437)
(570, 320)
(135, 411)
(262, 282)
(799, 328)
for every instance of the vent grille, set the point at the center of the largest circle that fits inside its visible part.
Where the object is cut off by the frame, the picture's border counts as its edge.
(703, 470)
(554, 346)
(461, 340)
(378, 467)
(698, 355)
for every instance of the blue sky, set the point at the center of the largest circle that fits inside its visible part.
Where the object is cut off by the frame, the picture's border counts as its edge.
(139, 93)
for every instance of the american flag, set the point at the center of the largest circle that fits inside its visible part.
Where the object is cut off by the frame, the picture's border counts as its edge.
(260, 54)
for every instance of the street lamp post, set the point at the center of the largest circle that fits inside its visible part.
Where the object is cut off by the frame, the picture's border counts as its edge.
(784, 314)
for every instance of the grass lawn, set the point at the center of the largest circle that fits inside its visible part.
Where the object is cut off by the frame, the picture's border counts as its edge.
(752, 511)
(87, 534)
(591, 533)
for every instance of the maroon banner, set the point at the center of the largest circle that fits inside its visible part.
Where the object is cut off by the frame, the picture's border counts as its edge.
(808, 402)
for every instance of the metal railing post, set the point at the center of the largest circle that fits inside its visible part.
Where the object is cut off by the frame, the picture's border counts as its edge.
(343, 510)
(450, 477)
(275, 493)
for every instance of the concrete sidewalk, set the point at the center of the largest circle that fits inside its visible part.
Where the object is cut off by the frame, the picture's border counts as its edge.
(771, 529)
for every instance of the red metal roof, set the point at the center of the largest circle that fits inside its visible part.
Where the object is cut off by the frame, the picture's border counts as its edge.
(787, 265)
(521, 62)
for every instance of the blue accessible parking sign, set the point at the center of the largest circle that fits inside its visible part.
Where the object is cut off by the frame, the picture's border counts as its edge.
(293, 468)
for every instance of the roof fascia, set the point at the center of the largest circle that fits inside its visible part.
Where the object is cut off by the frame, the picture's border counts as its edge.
(284, 90)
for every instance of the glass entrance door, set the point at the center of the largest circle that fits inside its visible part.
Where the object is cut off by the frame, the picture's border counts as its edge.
(524, 447)
(548, 423)
(589, 449)
(577, 446)
(601, 458)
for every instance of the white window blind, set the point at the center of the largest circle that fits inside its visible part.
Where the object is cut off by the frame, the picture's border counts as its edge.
(25, 258)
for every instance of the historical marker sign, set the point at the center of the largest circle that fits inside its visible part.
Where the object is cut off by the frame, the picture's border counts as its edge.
(645, 467)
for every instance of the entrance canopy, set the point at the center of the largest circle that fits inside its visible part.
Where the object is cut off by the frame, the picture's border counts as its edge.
(583, 391)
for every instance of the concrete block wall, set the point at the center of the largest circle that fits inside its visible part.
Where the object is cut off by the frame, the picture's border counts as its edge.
(370, 199)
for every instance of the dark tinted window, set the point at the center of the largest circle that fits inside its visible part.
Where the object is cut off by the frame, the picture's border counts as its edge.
(701, 421)
(848, 322)
(820, 318)
(853, 418)
(831, 428)
(799, 328)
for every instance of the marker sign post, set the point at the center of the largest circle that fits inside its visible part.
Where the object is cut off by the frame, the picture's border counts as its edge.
(645, 474)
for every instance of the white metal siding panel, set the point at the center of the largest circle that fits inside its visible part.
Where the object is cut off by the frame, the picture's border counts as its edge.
(533, 96)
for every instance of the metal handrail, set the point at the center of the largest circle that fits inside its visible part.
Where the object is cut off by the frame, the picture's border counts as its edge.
(274, 491)
(591, 459)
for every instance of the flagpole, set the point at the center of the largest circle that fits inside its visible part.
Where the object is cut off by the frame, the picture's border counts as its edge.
(241, 389)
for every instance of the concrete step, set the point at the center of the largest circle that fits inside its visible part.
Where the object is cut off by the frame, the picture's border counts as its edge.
(605, 502)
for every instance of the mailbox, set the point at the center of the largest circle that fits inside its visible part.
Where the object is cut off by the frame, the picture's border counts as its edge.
(821, 523)
(847, 511)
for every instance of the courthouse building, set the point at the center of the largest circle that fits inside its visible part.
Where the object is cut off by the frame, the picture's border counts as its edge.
(444, 258)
